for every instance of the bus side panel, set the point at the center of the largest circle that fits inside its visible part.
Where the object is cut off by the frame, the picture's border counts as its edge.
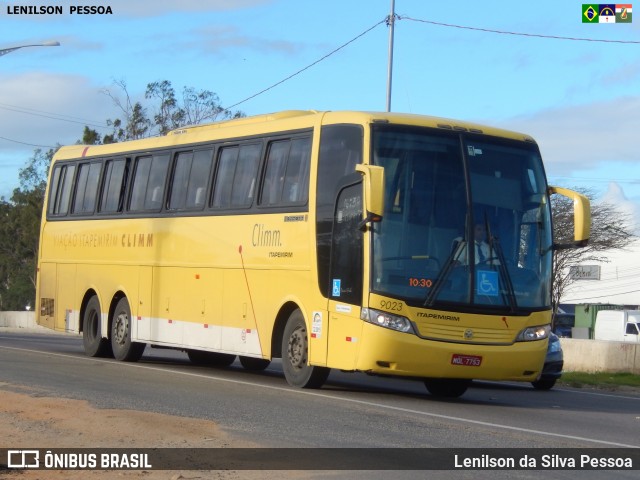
(196, 302)
(240, 330)
(141, 311)
(47, 292)
(165, 327)
(345, 335)
(186, 307)
(68, 307)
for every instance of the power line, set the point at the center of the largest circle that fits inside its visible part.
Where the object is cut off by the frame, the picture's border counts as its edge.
(600, 296)
(522, 34)
(308, 66)
(24, 143)
(53, 116)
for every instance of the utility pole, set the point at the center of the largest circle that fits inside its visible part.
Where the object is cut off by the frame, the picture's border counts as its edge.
(391, 20)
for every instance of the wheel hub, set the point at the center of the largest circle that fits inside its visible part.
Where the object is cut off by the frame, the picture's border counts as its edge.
(298, 348)
(120, 329)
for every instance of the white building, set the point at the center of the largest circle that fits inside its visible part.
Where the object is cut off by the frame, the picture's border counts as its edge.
(618, 283)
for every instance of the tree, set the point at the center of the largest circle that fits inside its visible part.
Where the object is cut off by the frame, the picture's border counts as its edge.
(168, 116)
(90, 137)
(19, 234)
(197, 106)
(610, 230)
(136, 124)
(204, 106)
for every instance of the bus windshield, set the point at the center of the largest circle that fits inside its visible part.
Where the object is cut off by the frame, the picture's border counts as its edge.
(466, 222)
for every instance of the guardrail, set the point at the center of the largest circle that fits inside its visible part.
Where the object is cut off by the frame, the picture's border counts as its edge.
(18, 320)
(582, 355)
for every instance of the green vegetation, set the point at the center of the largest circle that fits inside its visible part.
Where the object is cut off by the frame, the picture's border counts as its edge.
(602, 380)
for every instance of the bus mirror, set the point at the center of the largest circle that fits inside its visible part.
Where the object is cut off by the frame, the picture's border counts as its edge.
(581, 216)
(373, 179)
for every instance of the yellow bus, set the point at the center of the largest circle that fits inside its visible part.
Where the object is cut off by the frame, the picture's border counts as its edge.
(342, 240)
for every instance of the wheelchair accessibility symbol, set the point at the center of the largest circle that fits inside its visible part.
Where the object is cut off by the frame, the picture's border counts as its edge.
(487, 283)
(336, 288)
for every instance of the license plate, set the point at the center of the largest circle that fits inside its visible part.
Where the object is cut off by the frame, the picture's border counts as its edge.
(466, 360)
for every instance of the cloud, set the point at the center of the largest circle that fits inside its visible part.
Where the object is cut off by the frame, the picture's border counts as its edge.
(616, 196)
(222, 39)
(45, 108)
(41, 110)
(626, 74)
(584, 136)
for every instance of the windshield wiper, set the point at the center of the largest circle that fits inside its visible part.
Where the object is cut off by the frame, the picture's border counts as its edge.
(444, 273)
(508, 292)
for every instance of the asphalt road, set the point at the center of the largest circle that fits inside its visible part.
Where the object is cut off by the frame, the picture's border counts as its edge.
(351, 410)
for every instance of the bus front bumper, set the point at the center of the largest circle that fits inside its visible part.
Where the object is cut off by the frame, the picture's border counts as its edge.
(387, 352)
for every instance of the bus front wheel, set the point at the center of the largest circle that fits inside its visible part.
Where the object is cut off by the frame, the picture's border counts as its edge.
(295, 355)
(123, 348)
(94, 344)
(446, 387)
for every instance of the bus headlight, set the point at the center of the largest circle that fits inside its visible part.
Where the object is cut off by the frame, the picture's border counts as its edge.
(534, 333)
(386, 320)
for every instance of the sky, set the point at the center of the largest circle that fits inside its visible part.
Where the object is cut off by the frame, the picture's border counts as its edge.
(579, 99)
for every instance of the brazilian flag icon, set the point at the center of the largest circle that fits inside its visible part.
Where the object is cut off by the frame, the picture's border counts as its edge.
(590, 12)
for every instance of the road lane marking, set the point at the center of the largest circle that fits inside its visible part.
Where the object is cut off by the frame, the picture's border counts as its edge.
(331, 397)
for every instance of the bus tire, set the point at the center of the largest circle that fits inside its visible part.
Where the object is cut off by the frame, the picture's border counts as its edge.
(295, 355)
(446, 387)
(94, 344)
(214, 359)
(254, 364)
(123, 348)
(544, 383)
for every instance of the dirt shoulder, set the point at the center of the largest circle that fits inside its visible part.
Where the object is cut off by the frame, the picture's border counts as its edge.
(28, 420)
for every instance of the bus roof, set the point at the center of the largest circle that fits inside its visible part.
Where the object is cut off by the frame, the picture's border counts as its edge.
(279, 121)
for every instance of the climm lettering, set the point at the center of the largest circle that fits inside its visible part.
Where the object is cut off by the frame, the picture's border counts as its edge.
(137, 240)
(263, 237)
(34, 10)
(104, 240)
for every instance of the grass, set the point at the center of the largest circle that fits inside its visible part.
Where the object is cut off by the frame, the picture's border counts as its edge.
(602, 379)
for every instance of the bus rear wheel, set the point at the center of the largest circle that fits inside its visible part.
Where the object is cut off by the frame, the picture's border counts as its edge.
(94, 344)
(447, 387)
(123, 348)
(295, 355)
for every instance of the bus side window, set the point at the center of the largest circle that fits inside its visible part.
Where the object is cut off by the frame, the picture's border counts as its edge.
(189, 180)
(61, 188)
(224, 177)
(53, 189)
(296, 179)
(274, 174)
(200, 168)
(236, 176)
(180, 180)
(157, 181)
(286, 179)
(113, 186)
(244, 180)
(140, 180)
(149, 182)
(87, 188)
